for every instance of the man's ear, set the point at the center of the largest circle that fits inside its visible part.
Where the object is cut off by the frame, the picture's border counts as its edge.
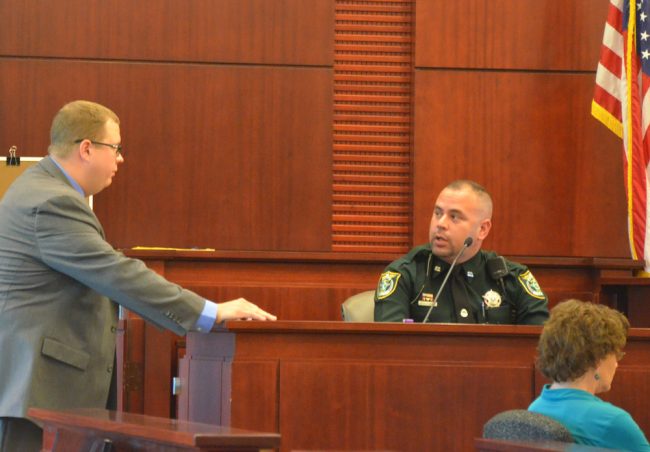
(484, 229)
(83, 151)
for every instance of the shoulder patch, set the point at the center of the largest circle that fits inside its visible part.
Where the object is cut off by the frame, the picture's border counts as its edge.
(530, 285)
(387, 284)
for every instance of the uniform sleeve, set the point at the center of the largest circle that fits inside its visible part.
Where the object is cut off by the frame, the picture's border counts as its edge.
(531, 303)
(393, 295)
(70, 242)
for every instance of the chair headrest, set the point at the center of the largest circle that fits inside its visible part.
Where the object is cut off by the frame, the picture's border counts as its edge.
(524, 425)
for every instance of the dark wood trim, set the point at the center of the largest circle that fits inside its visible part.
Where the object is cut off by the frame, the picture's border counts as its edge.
(80, 428)
(315, 257)
(292, 327)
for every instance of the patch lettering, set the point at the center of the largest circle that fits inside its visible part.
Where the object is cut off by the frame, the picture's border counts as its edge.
(387, 284)
(530, 285)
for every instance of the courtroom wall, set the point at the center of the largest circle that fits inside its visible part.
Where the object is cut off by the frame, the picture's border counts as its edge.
(503, 95)
(327, 125)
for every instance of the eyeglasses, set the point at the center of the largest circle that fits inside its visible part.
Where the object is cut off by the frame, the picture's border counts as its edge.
(116, 147)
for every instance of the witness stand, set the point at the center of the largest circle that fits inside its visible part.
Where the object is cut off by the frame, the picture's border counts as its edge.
(377, 386)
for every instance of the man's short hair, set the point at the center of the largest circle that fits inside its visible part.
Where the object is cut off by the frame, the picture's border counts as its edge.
(477, 188)
(78, 120)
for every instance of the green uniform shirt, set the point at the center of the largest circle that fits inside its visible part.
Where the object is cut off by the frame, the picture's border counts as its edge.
(405, 292)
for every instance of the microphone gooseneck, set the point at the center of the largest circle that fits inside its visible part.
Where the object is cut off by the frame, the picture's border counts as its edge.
(426, 278)
(468, 242)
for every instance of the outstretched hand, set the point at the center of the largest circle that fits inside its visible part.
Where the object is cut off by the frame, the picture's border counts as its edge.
(242, 309)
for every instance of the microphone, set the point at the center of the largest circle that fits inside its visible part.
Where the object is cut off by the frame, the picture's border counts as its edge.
(497, 267)
(467, 243)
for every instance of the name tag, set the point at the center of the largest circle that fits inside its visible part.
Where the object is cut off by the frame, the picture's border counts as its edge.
(426, 300)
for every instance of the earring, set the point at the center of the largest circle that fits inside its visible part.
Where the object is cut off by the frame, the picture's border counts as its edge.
(596, 376)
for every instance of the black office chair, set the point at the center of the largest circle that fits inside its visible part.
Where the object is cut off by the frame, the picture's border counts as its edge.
(524, 425)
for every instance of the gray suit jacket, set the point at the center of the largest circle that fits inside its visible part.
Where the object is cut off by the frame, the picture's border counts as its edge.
(57, 277)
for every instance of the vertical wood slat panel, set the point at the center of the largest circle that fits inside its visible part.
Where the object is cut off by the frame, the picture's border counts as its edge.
(373, 63)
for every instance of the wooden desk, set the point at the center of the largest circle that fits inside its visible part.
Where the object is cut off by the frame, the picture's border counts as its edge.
(335, 385)
(79, 430)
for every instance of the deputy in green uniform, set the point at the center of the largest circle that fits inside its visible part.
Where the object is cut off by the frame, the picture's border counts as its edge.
(482, 288)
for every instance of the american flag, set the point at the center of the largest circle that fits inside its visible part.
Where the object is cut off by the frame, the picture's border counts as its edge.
(621, 102)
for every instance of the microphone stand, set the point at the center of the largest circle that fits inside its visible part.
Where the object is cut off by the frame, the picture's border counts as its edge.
(466, 243)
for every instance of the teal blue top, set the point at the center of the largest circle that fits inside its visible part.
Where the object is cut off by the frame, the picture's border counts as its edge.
(591, 420)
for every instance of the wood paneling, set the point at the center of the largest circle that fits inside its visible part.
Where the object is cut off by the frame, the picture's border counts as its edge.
(213, 154)
(510, 34)
(289, 290)
(308, 303)
(235, 31)
(256, 398)
(638, 311)
(385, 414)
(160, 354)
(243, 157)
(391, 386)
(311, 300)
(554, 172)
(313, 286)
(130, 361)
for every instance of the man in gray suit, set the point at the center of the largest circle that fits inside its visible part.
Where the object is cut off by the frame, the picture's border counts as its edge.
(58, 276)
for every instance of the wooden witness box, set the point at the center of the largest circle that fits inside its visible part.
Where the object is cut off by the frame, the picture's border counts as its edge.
(87, 429)
(377, 386)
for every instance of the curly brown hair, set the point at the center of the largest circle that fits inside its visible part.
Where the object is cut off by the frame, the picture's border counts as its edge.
(576, 337)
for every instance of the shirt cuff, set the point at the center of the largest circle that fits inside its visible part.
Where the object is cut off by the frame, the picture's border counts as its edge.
(207, 318)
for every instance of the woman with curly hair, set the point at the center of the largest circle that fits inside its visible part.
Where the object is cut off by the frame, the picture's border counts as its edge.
(579, 350)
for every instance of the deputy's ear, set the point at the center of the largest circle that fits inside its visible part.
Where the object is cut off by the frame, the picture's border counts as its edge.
(484, 229)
